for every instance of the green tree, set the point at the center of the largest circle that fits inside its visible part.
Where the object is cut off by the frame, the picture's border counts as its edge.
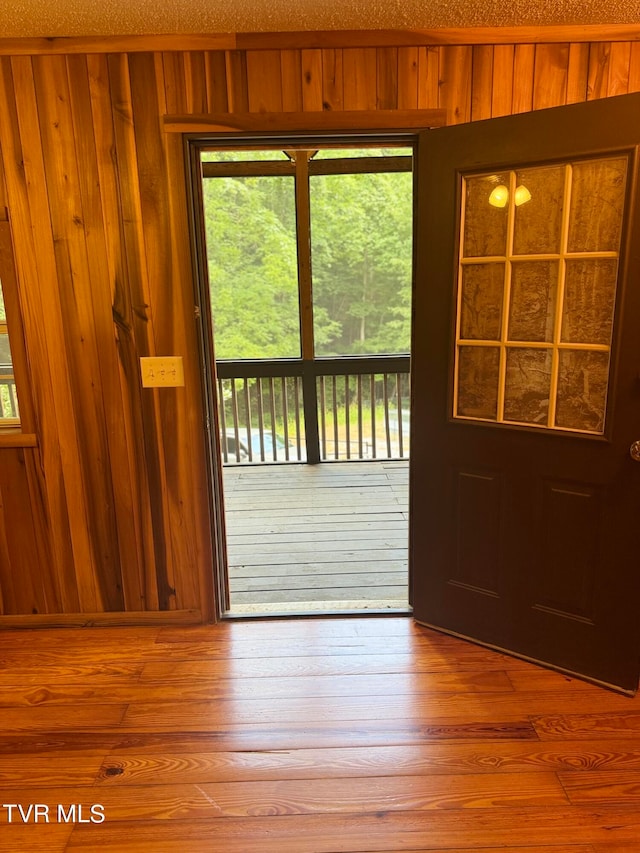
(361, 263)
(252, 262)
(361, 257)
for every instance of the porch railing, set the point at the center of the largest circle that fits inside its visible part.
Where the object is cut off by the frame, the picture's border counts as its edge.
(312, 411)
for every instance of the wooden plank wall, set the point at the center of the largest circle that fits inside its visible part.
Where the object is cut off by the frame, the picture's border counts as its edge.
(471, 82)
(108, 513)
(115, 492)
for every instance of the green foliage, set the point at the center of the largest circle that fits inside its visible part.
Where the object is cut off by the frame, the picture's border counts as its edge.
(251, 248)
(361, 264)
(361, 258)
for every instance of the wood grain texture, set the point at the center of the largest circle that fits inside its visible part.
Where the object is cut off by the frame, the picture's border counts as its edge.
(99, 498)
(550, 76)
(111, 490)
(369, 780)
(318, 39)
(455, 82)
(365, 566)
(349, 120)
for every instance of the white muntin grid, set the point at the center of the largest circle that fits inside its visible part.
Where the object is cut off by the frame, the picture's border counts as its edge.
(503, 344)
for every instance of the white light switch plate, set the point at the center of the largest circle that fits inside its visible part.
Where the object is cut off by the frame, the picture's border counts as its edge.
(162, 371)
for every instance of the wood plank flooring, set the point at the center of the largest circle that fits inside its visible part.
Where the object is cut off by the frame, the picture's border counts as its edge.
(317, 537)
(306, 736)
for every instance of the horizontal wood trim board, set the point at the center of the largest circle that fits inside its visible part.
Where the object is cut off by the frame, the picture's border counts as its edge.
(67, 45)
(137, 43)
(331, 166)
(249, 369)
(440, 36)
(320, 120)
(103, 620)
(18, 439)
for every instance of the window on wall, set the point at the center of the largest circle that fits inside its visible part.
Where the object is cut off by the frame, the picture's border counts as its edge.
(9, 412)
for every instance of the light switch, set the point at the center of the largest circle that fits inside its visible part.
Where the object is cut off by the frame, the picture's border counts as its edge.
(162, 371)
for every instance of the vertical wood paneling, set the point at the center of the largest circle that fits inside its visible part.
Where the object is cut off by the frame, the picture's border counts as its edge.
(524, 59)
(577, 73)
(455, 83)
(133, 317)
(502, 81)
(51, 503)
(619, 67)
(111, 428)
(482, 82)
(360, 78)
(408, 64)
(23, 550)
(73, 551)
(195, 78)
(117, 169)
(155, 337)
(428, 78)
(598, 78)
(264, 79)
(175, 82)
(292, 84)
(550, 76)
(387, 78)
(472, 83)
(311, 68)
(173, 333)
(237, 83)
(79, 255)
(634, 68)
(216, 81)
(332, 80)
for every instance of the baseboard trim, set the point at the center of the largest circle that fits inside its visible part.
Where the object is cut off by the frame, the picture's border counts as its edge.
(103, 620)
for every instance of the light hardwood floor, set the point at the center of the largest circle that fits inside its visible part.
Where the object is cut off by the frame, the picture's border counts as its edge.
(317, 537)
(308, 736)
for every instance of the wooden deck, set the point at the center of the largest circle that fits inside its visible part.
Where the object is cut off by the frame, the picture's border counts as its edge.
(360, 735)
(317, 537)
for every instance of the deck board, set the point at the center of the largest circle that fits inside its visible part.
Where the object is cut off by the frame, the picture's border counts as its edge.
(323, 537)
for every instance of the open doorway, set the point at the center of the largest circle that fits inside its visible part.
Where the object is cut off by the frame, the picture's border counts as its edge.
(306, 248)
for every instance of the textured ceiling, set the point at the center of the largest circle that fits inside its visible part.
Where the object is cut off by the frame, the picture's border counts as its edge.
(31, 18)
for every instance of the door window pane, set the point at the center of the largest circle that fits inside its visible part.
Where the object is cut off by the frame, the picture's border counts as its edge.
(478, 382)
(539, 202)
(485, 221)
(551, 362)
(482, 289)
(533, 298)
(590, 290)
(597, 203)
(582, 390)
(527, 387)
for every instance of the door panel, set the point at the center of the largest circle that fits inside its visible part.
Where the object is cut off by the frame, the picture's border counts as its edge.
(525, 393)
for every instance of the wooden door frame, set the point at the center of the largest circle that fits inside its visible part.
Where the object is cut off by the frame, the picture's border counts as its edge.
(418, 121)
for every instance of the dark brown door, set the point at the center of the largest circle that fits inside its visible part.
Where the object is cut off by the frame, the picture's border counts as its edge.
(525, 498)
